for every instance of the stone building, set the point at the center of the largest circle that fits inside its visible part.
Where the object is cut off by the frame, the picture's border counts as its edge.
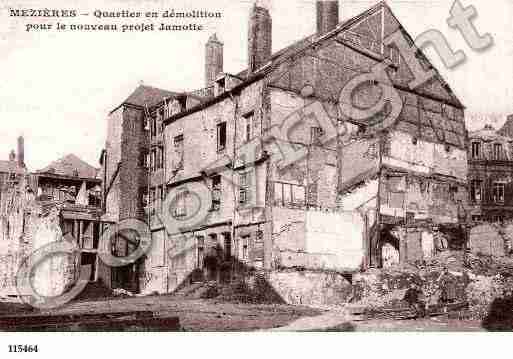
(264, 170)
(75, 188)
(63, 200)
(132, 170)
(490, 174)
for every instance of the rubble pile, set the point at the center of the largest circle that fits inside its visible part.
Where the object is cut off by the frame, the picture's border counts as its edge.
(466, 281)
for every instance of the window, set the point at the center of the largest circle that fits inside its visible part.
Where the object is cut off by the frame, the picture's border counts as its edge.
(201, 251)
(286, 194)
(143, 159)
(153, 192)
(179, 205)
(153, 163)
(162, 193)
(477, 218)
(497, 151)
(476, 150)
(476, 190)
(392, 53)
(498, 192)
(153, 132)
(316, 135)
(453, 191)
(227, 246)
(245, 242)
(221, 136)
(144, 197)
(248, 124)
(179, 153)
(159, 124)
(216, 193)
(498, 218)
(158, 160)
(243, 184)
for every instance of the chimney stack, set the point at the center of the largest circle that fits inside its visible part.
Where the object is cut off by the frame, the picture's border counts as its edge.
(21, 151)
(213, 60)
(327, 16)
(259, 37)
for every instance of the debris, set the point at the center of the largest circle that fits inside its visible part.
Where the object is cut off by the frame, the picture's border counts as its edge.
(119, 292)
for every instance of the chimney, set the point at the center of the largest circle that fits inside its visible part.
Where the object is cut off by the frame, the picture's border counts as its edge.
(259, 37)
(213, 60)
(21, 151)
(12, 156)
(327, 16)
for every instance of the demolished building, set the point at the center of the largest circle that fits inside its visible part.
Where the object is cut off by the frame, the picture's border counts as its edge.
(352, 199)
(60, 202)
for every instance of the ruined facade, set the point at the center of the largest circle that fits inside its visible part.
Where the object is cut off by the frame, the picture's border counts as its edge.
(60, 202)
(490, 178)
(346, 193)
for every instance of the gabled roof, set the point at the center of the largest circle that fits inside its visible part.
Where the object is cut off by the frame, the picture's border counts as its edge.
(148, 96)
(10, 167)
(299, 47)
(70, 166)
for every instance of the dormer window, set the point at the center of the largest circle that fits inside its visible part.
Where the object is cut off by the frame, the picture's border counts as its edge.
(476, 150)
(220, 85)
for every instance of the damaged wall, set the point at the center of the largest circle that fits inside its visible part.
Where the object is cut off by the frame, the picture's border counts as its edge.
(318, 240)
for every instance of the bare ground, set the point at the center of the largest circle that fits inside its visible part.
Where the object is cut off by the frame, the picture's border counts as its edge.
(213, 315)
(201, 314)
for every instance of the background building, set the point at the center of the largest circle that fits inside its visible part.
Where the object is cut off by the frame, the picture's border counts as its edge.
(491, 174)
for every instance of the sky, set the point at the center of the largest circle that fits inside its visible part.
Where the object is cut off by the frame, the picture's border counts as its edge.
(57, 88)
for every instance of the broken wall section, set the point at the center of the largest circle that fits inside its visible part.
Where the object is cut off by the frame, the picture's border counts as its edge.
(318, 240)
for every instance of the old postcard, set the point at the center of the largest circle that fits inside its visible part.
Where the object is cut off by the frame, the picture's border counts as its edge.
(255, 166)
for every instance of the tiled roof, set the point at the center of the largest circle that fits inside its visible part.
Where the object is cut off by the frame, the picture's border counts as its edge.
(297, 48)
(71, 166)
(148, 96)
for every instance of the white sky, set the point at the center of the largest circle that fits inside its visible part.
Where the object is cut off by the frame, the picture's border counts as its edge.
(57, 88)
